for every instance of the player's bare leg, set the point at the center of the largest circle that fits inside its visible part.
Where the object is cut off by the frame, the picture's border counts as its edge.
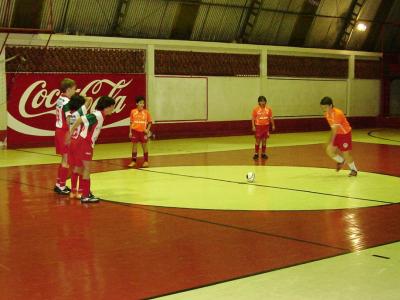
(257, 149)
(134, 156)
(145, 155)
(350, 161)
(334, 153)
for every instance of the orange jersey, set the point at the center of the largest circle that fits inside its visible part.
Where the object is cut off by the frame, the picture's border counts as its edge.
(140, 119)
(262, 116)
(337, 118)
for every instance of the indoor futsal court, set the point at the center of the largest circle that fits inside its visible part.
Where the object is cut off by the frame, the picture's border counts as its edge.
(200, 149)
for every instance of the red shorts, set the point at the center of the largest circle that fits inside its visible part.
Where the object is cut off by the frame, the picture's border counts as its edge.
(139, 137)
(262, 132)
(343, 142)
(73, 157)
(84, 150)
(61, 147)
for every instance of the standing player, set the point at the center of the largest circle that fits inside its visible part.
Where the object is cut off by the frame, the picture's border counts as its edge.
(339, 145)
(261, 118)
(139, 130)
(91, 127)
(68, 88)
(79, 106)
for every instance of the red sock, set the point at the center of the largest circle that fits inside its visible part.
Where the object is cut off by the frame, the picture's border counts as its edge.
(146, 156)
(63, 176)
(257, 148)
(134, 156)
(263, 149)
(80, 190)
(58, 175)
(74, 182)
(85, 187)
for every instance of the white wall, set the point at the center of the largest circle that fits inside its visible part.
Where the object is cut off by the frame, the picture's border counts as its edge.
(232, 98)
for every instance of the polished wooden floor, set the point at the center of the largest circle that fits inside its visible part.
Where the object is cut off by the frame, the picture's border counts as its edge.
(56, 248)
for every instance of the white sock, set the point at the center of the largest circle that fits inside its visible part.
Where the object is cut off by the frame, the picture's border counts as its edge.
(352, 166)
(339, 159)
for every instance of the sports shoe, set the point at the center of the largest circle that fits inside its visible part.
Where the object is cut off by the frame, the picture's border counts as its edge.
(65, 191)
(339, 166)
(132, 164)
(353, 173)
(264, 156)
(145, 164)
(255, 157)
(90, 199)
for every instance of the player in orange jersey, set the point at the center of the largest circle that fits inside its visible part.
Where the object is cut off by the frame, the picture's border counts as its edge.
(261, 120)
(340, 143)
(139, 131)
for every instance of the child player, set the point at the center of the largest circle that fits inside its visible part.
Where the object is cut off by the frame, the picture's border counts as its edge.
(261, 118)
(79, 106)
(90, 130)
(139, 130)
(339, 145)
(68, 88)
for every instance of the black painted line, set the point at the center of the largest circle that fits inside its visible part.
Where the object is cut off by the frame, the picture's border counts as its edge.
(378, 137)
(267, 186)
(381, 256)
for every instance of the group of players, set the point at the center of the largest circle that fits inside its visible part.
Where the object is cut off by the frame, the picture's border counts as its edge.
(77, 130)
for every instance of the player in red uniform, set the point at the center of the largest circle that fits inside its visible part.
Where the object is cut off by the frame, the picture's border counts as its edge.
(340, 142)
(261, 119)
(79, 106)
(139, 130)
(91, 127)
(68, 89)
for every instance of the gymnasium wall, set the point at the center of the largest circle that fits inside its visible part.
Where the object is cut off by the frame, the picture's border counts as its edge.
(220, 103)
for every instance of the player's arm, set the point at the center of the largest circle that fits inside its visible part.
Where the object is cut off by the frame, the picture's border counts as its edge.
(253, 121)
(88, 102)
(272, 123)
(130, 126)
(149, 123)
(334, 128)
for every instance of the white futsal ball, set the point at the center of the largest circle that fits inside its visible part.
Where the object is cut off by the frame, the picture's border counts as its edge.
(250, 176)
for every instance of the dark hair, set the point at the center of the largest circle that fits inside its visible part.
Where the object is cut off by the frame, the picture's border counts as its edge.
(76, 102)
(104, 102)
(326, 101)
(262, 98)
(67, 83)
(140, 98)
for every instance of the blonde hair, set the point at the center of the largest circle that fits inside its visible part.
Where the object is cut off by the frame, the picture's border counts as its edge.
(67, 83)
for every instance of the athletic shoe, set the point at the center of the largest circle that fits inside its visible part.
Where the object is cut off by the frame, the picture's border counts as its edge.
(132, 164)
(90, 199)
(353, 173)
(65, 191)
(145, 164)
(255, 157)
(339, 166)
(264, 156)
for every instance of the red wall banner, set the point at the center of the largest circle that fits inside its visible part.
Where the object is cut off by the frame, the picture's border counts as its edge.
(32, 98)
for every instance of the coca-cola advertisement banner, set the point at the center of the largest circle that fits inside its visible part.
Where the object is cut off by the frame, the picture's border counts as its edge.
(32, 99)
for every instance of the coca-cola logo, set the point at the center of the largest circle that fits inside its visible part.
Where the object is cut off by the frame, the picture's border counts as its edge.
(32, 100)
(37, 96)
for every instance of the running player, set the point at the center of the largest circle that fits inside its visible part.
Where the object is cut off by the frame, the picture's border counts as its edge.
(91, 127)
(79, 106)
(340, 143)
(261, 119)
(68, 89)
(139, 130)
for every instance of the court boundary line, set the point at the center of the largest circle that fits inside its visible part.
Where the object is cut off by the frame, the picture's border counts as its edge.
(266, 271)
(370, 133)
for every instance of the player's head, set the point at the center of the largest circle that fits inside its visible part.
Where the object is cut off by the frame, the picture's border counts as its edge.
(68, 87)
(326, 104)
(140, 102)
(106, 105)
(76, 102)
(262, 101)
